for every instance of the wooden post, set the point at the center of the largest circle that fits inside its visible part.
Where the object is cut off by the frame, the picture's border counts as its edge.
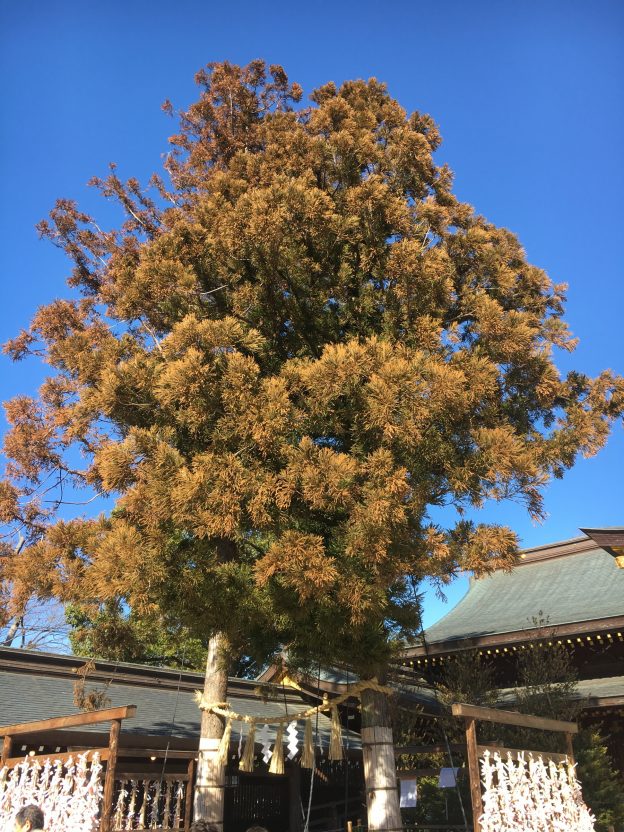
(188, 797)
(474, 773)
(7, 747)
(569, 747)
(109, 782)
(294, 797)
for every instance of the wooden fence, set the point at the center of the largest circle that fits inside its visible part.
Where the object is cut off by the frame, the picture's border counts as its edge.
(165, 802)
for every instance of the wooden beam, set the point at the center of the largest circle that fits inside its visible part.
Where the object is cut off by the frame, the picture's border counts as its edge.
(89, 718)
(515, 752)
(109, 781)
(7, 745)
(474, 773)
(513, 718)
(40, 758)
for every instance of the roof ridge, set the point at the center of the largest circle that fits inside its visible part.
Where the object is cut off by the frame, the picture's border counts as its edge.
(64, 664)
(554, 544)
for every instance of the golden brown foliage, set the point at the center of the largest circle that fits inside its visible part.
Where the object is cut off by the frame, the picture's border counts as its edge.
(279, 363)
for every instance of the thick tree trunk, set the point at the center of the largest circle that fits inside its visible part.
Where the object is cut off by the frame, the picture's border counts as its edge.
(210, 783)
(382, 797)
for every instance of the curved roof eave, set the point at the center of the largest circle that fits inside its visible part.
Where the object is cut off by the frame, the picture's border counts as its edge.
(571, 587)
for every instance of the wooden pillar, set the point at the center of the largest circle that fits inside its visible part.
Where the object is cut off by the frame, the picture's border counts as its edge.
(473, 773)
(109, 781)
(569, 747)
(7, 747)
(294, 798)
(188, 797)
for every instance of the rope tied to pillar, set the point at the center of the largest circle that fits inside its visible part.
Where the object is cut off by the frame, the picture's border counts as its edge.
(225, 710)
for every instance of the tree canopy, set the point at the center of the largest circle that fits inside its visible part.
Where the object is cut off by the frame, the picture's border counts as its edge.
(293, 347)
(110, 632)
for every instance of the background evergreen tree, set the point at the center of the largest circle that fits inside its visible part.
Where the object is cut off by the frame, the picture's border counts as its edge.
(115, 634)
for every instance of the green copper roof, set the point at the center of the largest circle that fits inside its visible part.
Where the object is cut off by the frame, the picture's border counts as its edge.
(578, 587)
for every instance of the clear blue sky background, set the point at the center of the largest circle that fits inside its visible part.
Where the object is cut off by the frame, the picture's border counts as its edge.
(528, 94)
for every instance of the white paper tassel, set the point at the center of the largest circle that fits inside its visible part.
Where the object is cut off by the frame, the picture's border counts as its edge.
(293, 740)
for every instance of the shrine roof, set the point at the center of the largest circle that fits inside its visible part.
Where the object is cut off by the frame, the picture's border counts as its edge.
(36, 685)
(591, 692)
(575, 582)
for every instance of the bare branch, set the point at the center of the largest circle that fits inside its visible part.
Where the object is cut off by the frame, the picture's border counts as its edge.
(151, 332)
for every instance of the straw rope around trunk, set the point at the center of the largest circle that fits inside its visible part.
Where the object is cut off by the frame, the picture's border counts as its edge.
(246, 763)
(224, 709)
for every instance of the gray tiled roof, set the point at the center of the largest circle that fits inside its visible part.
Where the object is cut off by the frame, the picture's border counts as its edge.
(163, 710)
(338, 675)
(580, 587)
(601, 688)
(590, 690)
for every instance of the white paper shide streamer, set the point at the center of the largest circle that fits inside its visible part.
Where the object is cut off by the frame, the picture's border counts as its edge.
(531, 796)
(70, 795)
(68, 792)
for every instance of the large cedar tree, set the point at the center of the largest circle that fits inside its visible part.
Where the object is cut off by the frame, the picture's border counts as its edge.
(293, 347)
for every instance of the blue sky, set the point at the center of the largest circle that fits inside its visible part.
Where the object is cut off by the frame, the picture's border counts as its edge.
(528, 96)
